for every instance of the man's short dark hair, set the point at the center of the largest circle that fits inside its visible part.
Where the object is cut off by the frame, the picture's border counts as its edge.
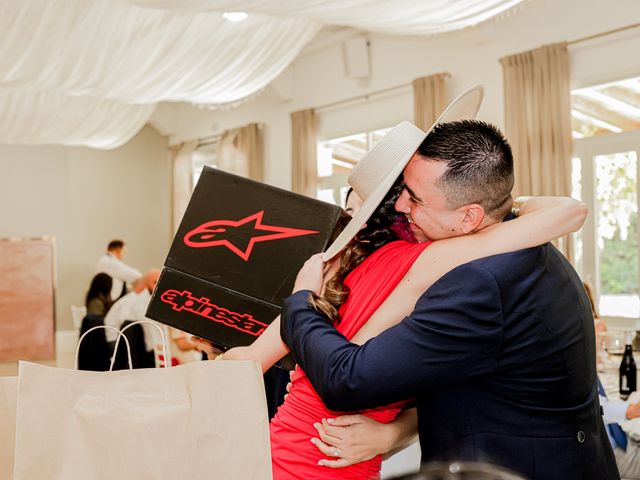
(479, 165)
(115, 245)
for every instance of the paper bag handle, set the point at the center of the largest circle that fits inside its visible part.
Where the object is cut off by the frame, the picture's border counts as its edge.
(104, 327)
(167, 363)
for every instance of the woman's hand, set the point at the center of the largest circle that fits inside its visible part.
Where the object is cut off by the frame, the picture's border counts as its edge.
(311, 275)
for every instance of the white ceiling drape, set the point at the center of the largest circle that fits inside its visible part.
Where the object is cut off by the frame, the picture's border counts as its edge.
(110, 60)
(90, 72)
(51, 118)
(398, 17)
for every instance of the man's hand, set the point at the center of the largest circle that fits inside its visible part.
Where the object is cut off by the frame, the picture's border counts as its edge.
(351, 439)
(311, 275)
(633, 410)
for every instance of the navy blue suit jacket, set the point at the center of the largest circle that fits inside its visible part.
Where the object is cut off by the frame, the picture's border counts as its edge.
(500, 356)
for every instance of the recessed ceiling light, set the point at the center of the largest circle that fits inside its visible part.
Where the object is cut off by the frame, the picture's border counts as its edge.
(235, 16)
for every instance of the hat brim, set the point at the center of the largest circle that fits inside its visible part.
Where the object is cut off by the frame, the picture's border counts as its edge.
(464, 106)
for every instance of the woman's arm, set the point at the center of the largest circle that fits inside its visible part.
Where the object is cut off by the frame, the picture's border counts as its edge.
(267, 349)
(540, 220)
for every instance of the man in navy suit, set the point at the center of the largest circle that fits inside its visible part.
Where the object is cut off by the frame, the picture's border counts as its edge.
(499, 353)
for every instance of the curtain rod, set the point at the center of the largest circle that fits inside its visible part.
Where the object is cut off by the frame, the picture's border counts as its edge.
(603, 34)
(215, 137)
(208, 140)
(366, 96)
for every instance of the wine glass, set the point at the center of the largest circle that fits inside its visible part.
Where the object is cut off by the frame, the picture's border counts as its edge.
(615, 342)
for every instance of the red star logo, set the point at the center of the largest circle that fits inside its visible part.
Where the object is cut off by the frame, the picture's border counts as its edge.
(230, 234)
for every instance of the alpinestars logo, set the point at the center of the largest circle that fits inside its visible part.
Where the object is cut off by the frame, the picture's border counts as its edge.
(203, 307)
(239, 236)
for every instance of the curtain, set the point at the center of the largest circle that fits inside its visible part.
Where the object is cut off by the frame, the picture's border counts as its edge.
(429, 99)
(241, 151)
(182, 180)
(304, 173)
(537, 100)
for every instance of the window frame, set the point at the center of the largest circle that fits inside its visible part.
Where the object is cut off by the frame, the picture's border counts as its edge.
(587, 149)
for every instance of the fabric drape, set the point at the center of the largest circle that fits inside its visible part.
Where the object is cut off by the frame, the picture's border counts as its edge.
(90, 72)
(241, 151)
(52, 118)
(304, 174)
(429, 99)
(537, 100)
(400, 17)
(182, 180)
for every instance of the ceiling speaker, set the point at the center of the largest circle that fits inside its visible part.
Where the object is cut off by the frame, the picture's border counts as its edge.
(356, 57)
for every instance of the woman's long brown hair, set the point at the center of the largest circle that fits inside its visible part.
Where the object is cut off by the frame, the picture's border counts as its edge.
(376, 233)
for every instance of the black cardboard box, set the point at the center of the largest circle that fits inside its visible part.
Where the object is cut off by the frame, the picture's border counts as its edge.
(236, 255)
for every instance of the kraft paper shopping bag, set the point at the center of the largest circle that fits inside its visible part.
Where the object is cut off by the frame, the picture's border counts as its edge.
(199, 420)
(8, 394)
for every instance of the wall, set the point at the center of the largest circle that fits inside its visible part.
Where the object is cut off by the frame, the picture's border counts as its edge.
(471, 56)
(85, 198)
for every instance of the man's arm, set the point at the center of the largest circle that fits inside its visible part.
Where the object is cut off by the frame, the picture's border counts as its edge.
(124, 272)
(453, 333)
(617, 411)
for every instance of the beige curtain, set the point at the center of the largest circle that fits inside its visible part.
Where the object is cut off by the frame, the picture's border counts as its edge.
(538, 123)
(429, 99)
(182, 180)
(241, 151)
(304, 174)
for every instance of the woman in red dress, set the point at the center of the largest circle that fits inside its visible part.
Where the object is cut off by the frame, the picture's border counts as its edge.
(376, 280)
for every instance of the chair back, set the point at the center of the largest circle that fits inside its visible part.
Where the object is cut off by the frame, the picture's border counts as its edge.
(94, 352)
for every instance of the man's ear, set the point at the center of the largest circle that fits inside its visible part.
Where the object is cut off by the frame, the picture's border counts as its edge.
(472, 217)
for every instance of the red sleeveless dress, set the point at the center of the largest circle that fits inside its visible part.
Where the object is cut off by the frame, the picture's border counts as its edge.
(293, 455)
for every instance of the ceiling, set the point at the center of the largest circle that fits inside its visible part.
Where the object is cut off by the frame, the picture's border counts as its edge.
(91, 72)
(610, 108)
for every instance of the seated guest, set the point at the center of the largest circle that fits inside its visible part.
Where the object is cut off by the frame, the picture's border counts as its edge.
(598, 322)
(627, 452)
(615, 411)
(98, 300)
(133, 307)
(111, 263)
(187, 349)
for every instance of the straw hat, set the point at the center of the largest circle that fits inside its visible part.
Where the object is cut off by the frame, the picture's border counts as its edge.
(374, 175)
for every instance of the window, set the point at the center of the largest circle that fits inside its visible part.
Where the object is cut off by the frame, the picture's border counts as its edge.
(205, 154)
(336, 159)
(219, 151)
(606, 126)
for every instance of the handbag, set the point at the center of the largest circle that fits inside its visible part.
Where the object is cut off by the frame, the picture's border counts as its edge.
(198, 420)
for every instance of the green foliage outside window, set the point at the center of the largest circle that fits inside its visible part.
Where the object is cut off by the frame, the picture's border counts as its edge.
(617, 222)
(618, 261)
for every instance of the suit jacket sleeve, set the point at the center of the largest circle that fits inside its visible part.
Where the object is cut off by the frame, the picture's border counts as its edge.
(453, 334)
